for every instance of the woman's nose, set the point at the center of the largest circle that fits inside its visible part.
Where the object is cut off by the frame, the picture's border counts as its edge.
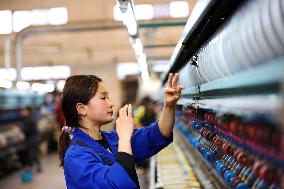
(110, 103)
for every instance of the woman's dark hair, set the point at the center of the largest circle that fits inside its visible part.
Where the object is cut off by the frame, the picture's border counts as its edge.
(77, 89)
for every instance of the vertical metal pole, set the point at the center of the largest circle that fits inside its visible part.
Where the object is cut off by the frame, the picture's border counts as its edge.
(7, 48)
(19, 57)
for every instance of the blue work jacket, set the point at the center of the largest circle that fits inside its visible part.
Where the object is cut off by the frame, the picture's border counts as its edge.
(91, 166)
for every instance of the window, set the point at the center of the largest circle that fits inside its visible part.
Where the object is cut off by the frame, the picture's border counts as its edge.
(43, 87)
(57, 16)
(174, 9)
(5, 84)
(179, 9)
(144, 12)
(161, 10)
(45, 72)
(6, 22)
(39, 17)
(37, 73)
(21, 20)
(8, 74)
(126, 68)
(18, 20)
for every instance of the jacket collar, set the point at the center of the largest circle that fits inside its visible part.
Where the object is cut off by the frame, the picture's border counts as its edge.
(79, 135)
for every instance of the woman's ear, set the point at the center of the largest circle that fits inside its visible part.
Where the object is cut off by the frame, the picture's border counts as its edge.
(81, 109)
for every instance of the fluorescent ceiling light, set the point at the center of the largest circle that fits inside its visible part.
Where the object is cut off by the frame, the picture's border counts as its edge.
(45, 72)
(130, 22)
(60, 85)
(8, 74)
(58, 72)
(21, 85)
(36, 73)
(6, 84)
(117, 14)
(137, 46)
(179, 9)
(127, 18)
(40, 87)
(142, 59)
(57, 16)
(142, 62)
(6, 22)
(145, 77)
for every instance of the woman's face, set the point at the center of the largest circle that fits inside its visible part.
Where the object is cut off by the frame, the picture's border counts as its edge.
(99, 110)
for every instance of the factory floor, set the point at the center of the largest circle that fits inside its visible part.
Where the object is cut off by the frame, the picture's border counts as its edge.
(52, 176)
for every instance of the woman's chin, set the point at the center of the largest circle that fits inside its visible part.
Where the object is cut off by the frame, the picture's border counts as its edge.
(108, 121)
(111, 119)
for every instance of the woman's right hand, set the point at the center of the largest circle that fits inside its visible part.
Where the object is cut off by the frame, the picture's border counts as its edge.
(124, 128)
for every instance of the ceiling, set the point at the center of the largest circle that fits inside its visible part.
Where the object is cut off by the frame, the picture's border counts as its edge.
(93, 47)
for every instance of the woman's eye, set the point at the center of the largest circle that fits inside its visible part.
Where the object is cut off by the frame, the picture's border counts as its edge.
(103, 98)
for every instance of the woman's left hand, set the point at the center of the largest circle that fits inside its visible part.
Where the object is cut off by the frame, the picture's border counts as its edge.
(173, 91)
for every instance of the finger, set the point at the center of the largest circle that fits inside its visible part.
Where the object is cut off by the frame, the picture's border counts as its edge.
(124, 111)
(120, 112)
(177, 97)
(129, 110)
(180, 88)
(175, 80)
(169, 90)
(170, 79)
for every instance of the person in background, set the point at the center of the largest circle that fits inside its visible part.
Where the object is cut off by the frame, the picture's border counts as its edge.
(60, 121)
(150, 115)
(32, 138)
(58, 110)
(97, 159)
(143, 114)
(143, 117)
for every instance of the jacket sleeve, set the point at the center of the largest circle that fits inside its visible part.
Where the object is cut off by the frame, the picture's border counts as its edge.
(87, 172)
(148, 141)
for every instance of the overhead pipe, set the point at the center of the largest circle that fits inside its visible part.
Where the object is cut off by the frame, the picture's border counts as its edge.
(37, 30)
